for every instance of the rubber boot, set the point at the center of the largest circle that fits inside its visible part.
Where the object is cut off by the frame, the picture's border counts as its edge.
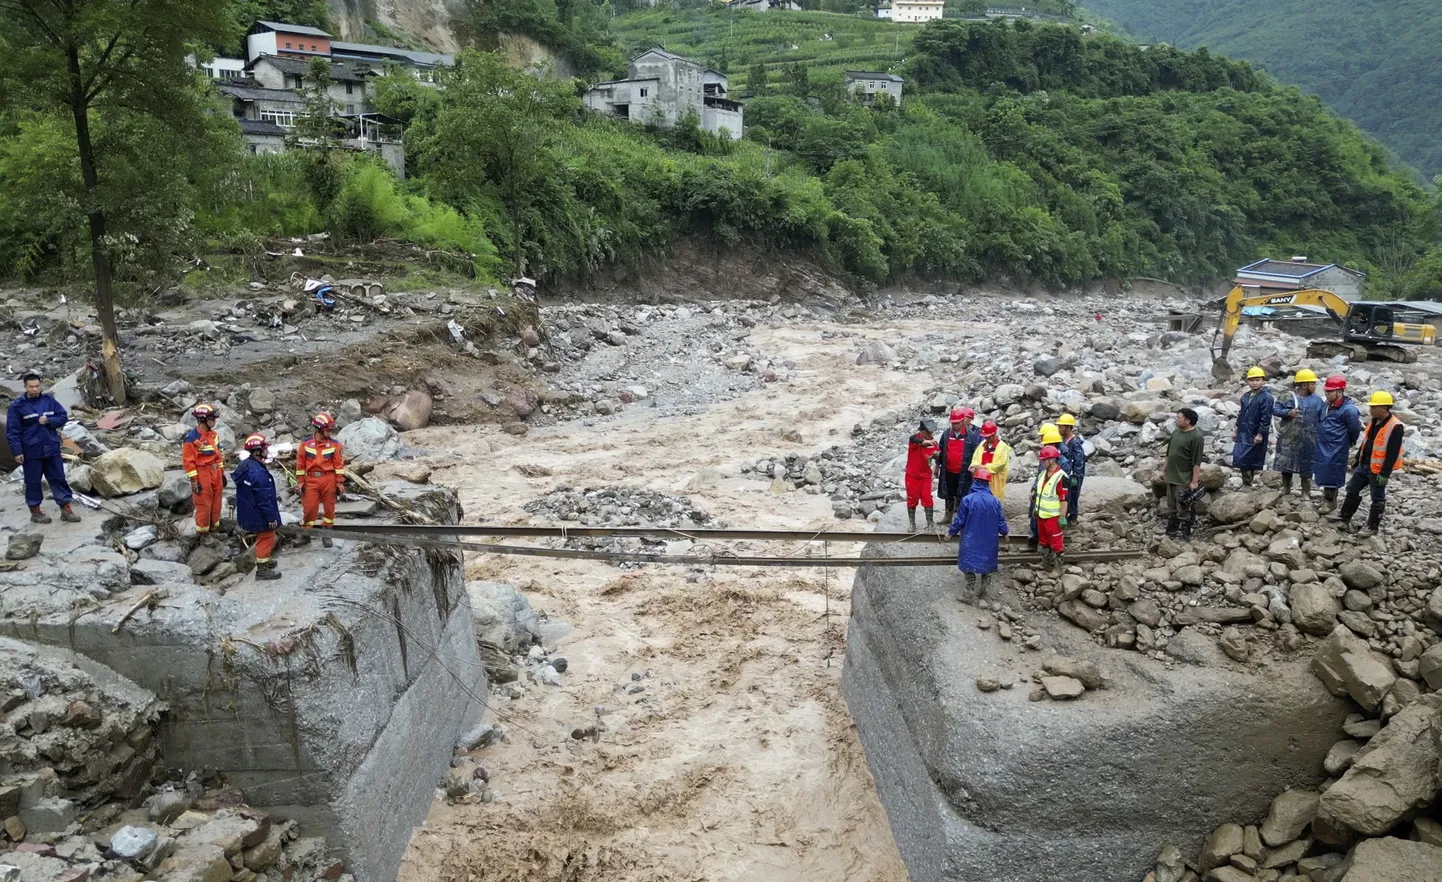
(1173, 523)
(911, 518)
(68, 515)
(1306, 486)
(1058, 562)
(1374, 519)
(1184, 530)
(930, 519)
(304, 537)
(982, 581)
(38, 517)
(1286, 483)
(1350, 504)
(266, 572)
(326, 542)
(1329, 501)
(1247, 478)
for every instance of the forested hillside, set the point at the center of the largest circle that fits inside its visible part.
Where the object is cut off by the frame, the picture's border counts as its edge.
(1376, 62)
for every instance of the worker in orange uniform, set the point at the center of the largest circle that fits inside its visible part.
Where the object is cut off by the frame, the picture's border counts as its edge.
(257, 511)
(201, 457)
(319, 475)
(994, 455)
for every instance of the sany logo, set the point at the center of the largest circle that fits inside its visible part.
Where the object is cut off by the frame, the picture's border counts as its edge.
(1280, 300)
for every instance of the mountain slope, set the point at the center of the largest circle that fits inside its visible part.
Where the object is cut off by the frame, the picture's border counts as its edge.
(1376, 62)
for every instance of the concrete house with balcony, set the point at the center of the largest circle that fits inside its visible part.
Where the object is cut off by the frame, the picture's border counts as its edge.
(662, 88)
(916, 11)
(1298, 273)
(865, 85)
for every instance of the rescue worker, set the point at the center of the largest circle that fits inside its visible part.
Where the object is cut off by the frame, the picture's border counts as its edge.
(1254, 426)
(1340, 429)
(994, 455)
(1379, 455)
(953, 459)
(320, 475)
(1182, 474)
(256, 509)
(1051, 440)
(981, 523)
(920, 451)
(1073, 462)
(201, 457)
(32, 429)
(1301, 417)
(1048, 495)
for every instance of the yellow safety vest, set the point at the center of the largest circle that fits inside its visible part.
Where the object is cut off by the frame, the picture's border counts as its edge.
(1048, 502)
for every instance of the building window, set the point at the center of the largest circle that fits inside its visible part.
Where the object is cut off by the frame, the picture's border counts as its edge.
(350, 88)
(283, 118)
(287, 45)
(312, 47)
(350, 110)
(296, 82)
(871, 85)
(643, 93)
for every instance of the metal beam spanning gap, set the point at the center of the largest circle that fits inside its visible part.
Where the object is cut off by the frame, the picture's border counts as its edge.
(389, 538)
(652, 532)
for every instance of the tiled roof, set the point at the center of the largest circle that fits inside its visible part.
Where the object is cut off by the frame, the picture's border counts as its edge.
(425, 59)
(1292, 269)
(873, 75)
(259, 127)
(296, 67)
(293, 29)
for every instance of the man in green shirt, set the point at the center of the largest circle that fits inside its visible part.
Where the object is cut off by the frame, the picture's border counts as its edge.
(1185, 451)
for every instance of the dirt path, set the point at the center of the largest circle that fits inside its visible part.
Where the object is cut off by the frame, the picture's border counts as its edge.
(738, 761)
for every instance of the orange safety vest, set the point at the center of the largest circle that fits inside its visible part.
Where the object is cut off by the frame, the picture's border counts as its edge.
(1380, 443)
(316, 455)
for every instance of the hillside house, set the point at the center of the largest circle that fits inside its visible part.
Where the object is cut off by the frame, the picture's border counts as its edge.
(1298, 273)
(916, 11)
(276, 39)
(662, 88)
(865, 85)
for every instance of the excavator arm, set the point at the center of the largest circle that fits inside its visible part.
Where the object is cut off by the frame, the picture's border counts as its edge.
(1238, 299)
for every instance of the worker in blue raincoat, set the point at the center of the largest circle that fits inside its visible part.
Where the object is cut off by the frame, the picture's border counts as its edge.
(981, 523)
(1254, 427)
(32, 430)
(1340, 429)
(1073, 462)
(1300, 417)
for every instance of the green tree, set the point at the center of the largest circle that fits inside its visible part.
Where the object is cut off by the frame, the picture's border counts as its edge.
(496, 134)
(800, 79)
(756, 80)
(97, 63)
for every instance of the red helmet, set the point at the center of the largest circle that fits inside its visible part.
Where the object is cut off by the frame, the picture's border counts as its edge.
(203, 412)
(981, 473)
(1049, 452)
(988, 429)
(1335, 382)
(255, 442)
(958, 414)
(323, 421)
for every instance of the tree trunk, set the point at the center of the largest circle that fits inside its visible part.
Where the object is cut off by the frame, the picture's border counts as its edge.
(104, 300)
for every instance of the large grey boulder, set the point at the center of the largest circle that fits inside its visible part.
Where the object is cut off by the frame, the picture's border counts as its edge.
(504, 618)
(1314, 609)
(1233, 508)
(369, 439)
(995, 787)
(1290, 814)
(1346, 665)
(126, 470)
(1395, 860)
(1396, 773)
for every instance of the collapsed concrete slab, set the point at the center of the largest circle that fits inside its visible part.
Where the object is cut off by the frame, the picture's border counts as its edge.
(333, 696)
(993, 786)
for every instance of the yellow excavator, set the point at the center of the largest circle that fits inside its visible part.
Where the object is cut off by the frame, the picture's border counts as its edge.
(1370, 330)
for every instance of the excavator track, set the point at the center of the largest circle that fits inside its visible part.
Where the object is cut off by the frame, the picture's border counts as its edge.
(1362, 352)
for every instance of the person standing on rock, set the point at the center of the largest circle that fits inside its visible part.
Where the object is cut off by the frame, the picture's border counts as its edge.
(1186, 449)
(953, 459)
(320, 476)
(1379, 456)
(32, 429)
(1254, 425)
(1051, 440)
(1073, 462)
(980, 522)
(1048, 498)
(1301, 417)
(256, 509)
(201, 457)
(1341, 427)
(994, 455)
(920, 451)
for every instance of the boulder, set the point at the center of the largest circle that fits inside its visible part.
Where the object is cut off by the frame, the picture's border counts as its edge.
(1050, 364)
(1062, 688)
(1395, 860)
(1233, 508)
(1432, 614)
(1394, 775)
(1314, 609)
(1430, 666)
(1212, 477)
(412, 411)
(1290, 814)
(504, 618)
(1008, 393)
(1360, 575)
(84, 438)
(876, 352)
(24, 546)
(1224, 842)
(369, 439)
(125, 471)
(77, 475)
(261, 400)
(175, 491)
(1346, 665)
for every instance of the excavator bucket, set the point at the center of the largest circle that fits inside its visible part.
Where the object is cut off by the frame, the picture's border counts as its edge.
(1221, 370)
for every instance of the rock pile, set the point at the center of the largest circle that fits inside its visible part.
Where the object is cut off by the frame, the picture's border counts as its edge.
(619, 507)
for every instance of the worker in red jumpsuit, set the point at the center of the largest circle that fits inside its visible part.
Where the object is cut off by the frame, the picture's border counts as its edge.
(919, 453)
(201, 457)
(319, 475)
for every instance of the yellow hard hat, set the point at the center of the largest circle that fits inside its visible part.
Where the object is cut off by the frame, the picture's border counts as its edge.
(1051, 437)
(1046, 427)
(1258, 372)
(1066, 419)
(1305, 376)
(1381, 399)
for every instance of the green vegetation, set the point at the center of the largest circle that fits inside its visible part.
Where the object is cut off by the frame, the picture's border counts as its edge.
(574, 29)
(1375, 62)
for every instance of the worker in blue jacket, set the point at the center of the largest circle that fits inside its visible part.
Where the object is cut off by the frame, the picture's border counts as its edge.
(1254, 427)
(256, 508)
(1073, 462)
(32, 429)
(1340, 429)
(981, 523)
(1299, 417)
